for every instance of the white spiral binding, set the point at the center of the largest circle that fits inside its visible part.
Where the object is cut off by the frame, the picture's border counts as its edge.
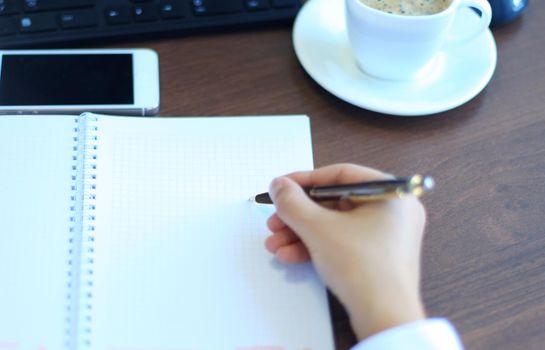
(82, 232)
(88, 232)
(76, 203)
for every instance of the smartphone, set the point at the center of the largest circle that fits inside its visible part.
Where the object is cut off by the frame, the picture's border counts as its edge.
(75, 81)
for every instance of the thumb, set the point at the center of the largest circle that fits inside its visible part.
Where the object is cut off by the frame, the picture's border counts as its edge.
(295, 207)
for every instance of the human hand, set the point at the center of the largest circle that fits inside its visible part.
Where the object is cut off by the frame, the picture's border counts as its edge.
(367, 254)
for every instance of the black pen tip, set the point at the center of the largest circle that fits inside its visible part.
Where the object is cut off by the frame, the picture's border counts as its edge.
(262, 198)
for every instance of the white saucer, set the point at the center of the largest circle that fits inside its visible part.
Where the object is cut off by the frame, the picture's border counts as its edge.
(459, 74)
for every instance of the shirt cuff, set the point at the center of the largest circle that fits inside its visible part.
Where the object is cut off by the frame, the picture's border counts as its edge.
(429, 334)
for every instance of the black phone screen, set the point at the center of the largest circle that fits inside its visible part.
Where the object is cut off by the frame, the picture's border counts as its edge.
(66, 79)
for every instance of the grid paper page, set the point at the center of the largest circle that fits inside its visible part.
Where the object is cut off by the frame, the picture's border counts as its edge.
(35, 171)
(179, 257)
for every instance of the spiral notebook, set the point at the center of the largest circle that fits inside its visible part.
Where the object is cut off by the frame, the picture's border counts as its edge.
(125, 233)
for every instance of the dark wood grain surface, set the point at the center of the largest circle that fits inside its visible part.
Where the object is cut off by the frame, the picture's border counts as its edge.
(484, 253)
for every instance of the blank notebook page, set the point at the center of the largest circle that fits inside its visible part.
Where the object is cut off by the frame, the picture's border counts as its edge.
(179, 260)
(35, 189)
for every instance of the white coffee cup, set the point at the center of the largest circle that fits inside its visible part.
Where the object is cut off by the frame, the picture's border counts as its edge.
(403, 47)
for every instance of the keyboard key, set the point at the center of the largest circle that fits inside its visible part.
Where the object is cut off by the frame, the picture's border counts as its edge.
(78, 19)
(284, 3)
(8, 7)
(255, 5)
(216, 7)
(7, 27)
(118, 15)
(171, 9)
(45, 5)
(145, 13)
(38, 23)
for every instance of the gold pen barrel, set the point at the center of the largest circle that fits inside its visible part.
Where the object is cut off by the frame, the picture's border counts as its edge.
(415, 185)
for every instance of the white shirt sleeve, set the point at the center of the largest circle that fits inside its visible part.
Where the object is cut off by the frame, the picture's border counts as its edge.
(429, 334)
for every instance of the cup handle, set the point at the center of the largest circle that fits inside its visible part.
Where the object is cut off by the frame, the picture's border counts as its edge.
(486, 16)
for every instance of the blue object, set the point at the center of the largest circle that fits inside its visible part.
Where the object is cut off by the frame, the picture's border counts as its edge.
(504, 11)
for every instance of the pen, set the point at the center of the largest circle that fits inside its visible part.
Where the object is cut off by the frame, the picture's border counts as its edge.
(415, 185)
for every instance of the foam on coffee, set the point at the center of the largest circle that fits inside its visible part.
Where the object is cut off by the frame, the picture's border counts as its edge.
(409, 7)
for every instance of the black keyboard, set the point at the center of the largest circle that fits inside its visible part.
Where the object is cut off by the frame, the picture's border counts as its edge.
(56, 23)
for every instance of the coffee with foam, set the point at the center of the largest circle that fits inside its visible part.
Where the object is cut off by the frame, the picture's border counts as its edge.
(409, 7)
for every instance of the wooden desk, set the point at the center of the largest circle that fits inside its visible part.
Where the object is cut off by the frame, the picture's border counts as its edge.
(484, 253)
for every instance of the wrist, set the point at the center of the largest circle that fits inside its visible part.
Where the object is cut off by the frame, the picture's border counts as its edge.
(387, 308)
(380, 319)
